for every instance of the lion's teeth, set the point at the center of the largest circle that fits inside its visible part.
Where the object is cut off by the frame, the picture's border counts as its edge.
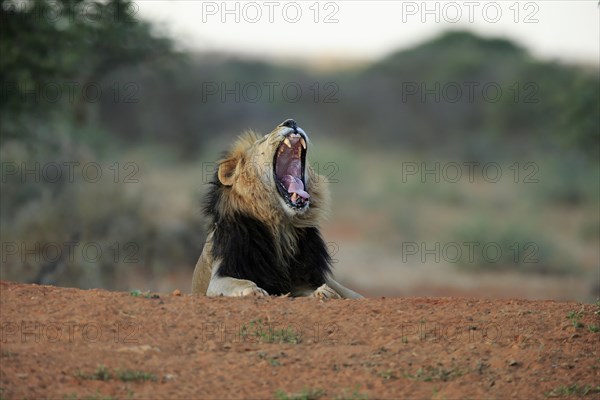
(288, 143)
(303, 143)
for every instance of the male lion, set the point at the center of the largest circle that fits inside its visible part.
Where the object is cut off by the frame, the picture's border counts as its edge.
(265, 205)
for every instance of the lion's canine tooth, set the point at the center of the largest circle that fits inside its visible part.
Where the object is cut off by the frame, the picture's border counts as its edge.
(287, 142)
(303, 143)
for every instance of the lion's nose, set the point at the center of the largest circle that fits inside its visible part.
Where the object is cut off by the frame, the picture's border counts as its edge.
(290, 123)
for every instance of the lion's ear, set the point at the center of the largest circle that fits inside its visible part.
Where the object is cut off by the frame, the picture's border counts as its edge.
(227, 171)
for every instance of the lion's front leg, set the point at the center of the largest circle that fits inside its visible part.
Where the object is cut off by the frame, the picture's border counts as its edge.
(329, 290)
(227, 286)
(324, 292)
(343, 291)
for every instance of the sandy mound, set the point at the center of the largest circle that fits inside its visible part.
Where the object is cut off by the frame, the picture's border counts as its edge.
(69, 343)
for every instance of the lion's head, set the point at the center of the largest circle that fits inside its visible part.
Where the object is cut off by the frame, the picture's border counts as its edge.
(270, 179)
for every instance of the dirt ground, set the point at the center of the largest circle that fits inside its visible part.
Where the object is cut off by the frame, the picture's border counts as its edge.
(74, 344)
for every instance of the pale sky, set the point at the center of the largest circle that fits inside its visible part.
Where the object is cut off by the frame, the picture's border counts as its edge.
(366, 30)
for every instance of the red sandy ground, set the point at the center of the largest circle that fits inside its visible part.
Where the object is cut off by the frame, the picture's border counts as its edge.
(53, 341)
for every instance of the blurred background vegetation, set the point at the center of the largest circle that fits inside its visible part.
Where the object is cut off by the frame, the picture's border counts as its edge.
(110, 94)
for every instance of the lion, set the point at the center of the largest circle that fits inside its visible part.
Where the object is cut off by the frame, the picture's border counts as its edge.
(265, 205)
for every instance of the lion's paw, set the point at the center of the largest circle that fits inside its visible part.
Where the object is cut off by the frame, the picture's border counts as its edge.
(253, 291)
(324, 292)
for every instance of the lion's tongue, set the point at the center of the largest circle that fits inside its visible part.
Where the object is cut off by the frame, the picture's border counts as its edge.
(295, 185)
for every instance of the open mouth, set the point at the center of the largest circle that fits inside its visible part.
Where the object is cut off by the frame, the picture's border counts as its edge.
(289, 166)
